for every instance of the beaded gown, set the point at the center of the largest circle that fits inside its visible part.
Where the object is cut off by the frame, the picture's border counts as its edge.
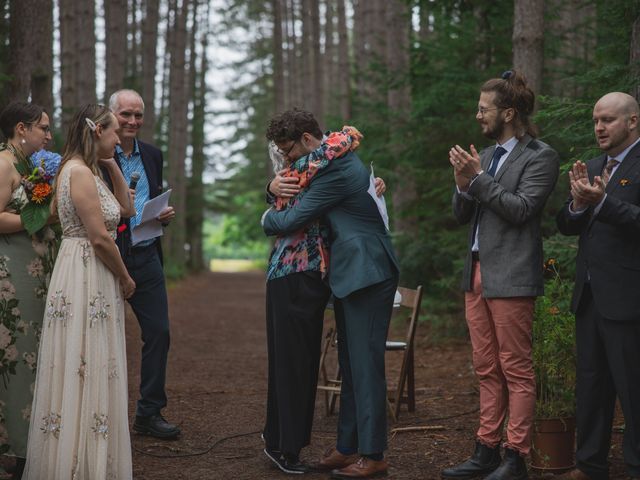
(79, 423)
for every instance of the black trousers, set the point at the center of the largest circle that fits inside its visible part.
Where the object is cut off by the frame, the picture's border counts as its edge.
(149, 303)
(295, 312)
(608, 364)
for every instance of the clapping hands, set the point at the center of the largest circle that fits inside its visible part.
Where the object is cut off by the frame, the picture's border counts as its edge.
(583, 192)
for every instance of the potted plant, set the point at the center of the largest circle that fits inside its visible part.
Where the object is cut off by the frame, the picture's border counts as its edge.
(554, 365)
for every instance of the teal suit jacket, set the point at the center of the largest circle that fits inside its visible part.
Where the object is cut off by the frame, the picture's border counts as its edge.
(361, 250)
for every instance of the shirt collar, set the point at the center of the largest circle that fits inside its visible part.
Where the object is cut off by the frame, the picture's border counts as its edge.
(136, 150)
(508, 145)
(621, 156)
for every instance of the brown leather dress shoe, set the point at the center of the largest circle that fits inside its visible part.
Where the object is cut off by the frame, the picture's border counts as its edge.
(574, 474)
(332, 459)
(363, 468)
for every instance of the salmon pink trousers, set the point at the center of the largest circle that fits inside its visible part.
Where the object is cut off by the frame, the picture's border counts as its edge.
(500, 330)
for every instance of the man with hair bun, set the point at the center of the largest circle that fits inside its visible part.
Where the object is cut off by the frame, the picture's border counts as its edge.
(604, 210)
(500, 193)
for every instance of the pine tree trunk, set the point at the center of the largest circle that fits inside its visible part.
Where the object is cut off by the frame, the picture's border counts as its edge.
(178, 110)
(68, 60)
(195, 199)
(306, 56)
(398, 18)
(528, 25)
(316, 67)
(329, 72)
(149, 60)
(115, 12)
(86, 59)
(42, 73)
(344, 64)
(278, 61)
(21, 59)
(634, 58)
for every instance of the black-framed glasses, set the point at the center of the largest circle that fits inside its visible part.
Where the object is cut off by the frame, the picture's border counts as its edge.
(283, 153)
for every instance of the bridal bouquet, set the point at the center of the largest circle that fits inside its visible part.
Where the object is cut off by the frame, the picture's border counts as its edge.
(37, 179)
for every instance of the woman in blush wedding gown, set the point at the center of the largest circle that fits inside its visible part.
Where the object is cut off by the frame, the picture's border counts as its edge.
(79, 423)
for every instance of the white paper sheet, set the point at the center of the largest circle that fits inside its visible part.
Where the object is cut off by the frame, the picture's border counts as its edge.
(380, 202)
(149, 227)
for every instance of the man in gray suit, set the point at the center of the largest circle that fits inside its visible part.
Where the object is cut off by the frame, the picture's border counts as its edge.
(363, 276)
(501, 193)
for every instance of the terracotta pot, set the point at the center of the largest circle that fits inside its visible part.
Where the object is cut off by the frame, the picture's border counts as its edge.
(553, 444)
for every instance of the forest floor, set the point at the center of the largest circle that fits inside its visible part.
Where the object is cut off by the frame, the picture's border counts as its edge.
(217, 386)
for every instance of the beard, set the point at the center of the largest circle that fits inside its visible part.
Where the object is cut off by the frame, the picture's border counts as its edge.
(494, 130)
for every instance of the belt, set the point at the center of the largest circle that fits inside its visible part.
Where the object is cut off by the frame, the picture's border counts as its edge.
(475, 256)
(142, 248)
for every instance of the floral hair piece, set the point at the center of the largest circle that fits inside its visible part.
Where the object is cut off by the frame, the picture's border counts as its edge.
(90, 123)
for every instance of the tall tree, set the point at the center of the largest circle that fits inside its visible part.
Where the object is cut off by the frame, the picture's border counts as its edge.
(31, 68)
(42, 72)
(634, 58)
(344, 64)
(329, 59)
(116, 15)
(20, 52)
(317, 83)
(86, 58)
(528, 40)
(149, 60)
(398, 24)
(68, 59)
(195, 196)
(178, 110)
(278, 57)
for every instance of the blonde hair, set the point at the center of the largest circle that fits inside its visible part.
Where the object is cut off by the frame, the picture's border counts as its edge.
(81, 138)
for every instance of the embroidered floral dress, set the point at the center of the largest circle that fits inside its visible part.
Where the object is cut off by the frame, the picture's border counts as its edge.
(25, 263)
(79, 424)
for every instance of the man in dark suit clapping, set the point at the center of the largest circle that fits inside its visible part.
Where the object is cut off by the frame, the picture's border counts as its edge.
(144, 263)
(604, 209)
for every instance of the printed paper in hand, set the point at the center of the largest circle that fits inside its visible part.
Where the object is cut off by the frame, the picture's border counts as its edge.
(380, 202)
(149, 227)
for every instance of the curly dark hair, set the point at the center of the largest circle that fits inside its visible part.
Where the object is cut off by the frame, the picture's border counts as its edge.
(291, 125)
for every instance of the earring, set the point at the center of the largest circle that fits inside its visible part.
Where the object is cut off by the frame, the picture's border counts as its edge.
(23, 141)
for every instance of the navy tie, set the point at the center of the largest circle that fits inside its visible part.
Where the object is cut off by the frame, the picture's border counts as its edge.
(495, 160)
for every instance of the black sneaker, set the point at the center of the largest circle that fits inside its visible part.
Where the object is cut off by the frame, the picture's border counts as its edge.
(155, 426)
(287, 465)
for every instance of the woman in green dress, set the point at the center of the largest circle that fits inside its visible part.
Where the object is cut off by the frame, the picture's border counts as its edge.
(25, 262)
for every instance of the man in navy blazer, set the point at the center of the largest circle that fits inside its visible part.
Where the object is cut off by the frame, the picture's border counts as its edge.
(144, 263)
(604, 210)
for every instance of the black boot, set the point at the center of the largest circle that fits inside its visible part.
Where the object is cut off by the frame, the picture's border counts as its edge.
(511, 468)
(483, 461)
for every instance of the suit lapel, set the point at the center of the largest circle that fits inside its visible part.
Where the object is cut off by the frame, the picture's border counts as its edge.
(628, 170)
(149, 169)
(513, 156)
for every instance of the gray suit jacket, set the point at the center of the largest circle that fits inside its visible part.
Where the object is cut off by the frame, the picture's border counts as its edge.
(508, 208)
(361, 250)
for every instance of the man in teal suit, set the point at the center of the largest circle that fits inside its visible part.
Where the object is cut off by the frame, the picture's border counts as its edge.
(363, 276)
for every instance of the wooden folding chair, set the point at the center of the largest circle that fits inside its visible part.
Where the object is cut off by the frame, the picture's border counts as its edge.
(411, 299)
(329, 385)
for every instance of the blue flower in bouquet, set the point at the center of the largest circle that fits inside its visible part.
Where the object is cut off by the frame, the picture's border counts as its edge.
(48, 161)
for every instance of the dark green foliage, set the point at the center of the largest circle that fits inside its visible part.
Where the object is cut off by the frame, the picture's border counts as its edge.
(469, 42)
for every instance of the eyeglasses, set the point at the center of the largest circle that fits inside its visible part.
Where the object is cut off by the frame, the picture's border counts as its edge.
(45, 128)
(482, 110)
(283, 153)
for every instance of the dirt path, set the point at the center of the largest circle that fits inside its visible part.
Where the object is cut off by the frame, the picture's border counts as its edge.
(217, 390)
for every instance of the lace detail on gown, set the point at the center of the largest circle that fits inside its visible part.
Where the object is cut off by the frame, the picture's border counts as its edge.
(79, 425)
(71, 224)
